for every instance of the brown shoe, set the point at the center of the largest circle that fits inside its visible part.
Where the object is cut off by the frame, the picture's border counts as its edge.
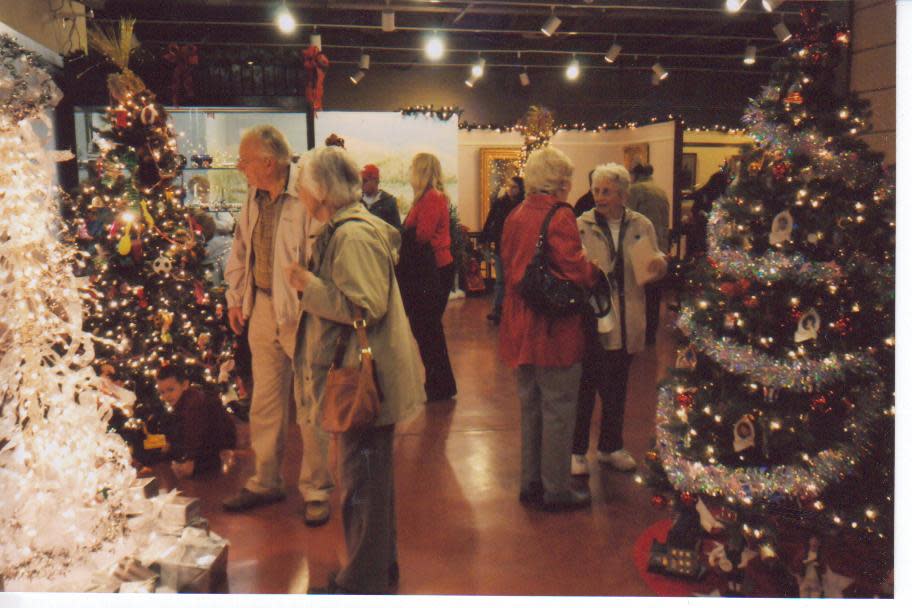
(316, 512)
(246, 500)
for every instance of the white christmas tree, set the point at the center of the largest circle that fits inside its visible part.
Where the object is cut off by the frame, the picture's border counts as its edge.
(64, 479)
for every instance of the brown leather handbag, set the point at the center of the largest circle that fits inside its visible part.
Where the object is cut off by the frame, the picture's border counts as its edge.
(351, 401)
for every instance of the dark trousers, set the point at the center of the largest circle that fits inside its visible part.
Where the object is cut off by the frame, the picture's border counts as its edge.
(653, 299)
(368, 509)
(427, 327)
(605, 372)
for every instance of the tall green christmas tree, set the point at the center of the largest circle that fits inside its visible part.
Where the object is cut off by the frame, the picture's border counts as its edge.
(147, 296)
(778, 417)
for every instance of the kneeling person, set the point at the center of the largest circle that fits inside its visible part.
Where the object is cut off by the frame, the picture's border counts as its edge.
(203, 428)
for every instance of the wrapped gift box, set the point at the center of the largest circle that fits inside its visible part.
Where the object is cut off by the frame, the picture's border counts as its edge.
(180, 510)
(197, 564)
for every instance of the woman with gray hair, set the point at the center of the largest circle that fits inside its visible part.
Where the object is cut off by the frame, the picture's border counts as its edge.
(546, 352)
(352, 272)
(609, 232)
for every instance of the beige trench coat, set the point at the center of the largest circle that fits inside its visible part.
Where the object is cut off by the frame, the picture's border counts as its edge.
(355, 267)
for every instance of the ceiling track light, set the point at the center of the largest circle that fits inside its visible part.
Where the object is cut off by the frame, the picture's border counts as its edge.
(434, 47)
(365, 62)
(284, 20)
(733, 6)
(471, 80)
(750, 54)
(660, 72)
(656, 81)
(357, 77)
(478, 68)
(524, 78)
(388, 20)
(782, 32)
(551, 24)
(316, 40)
(612, 54)
(771, 5)
(573, 69)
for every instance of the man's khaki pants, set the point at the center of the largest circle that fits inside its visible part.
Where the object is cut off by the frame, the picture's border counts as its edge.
(272, 357)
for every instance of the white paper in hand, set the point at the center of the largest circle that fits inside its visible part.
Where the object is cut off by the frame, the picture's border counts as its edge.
(641, 255)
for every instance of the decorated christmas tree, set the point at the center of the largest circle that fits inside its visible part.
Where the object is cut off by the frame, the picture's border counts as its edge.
(776, 425)
(147, 296)
(63, 477)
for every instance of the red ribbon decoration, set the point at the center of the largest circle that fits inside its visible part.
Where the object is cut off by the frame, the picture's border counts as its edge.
(315, 65)
(183, 57)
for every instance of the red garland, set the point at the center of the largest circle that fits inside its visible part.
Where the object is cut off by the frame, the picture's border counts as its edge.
(182, 78)
(315, 65)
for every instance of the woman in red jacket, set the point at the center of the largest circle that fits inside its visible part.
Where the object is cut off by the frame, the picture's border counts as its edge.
(429, 217)
(545, 352)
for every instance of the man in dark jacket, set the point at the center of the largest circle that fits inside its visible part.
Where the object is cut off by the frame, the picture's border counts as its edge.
(586, 201)
(493, 230)
(380, 203)
(203, 427)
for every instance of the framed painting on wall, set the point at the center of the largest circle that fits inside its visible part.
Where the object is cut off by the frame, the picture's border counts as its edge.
(497, 166)
(635, 154)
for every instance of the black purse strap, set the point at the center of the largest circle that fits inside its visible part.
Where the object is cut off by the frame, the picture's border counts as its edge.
(542, 243)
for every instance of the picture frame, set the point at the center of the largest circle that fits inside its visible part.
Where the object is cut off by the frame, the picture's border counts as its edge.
(497, 165)
(635, 154)
(688, 170)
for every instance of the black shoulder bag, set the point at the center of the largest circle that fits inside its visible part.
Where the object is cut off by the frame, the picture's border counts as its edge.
(543, 292)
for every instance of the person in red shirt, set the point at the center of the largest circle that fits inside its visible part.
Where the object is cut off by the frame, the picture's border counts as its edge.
(545, 352)
(203, 429)
(429, 221)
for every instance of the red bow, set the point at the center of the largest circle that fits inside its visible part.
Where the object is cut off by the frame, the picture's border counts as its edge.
(182, 57)
(315, 64)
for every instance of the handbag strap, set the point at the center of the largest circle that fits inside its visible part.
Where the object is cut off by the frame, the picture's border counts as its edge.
(541, 245)
(360, 327)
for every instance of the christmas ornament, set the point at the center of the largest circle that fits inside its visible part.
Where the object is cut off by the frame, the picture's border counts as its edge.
(820, 404)
(659, 501)
(744, 433)
(781, 228)
(166, 318)
(162, 265)
(121, 119)
(780, 169)
(794, 95)
(685, 399)
(687, 358)
(751, 301)
(730, 321)
(808, 326)
(125, 244)
(709, 523)
(149, 115)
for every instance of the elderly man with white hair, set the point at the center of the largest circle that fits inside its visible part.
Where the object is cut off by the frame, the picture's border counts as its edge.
(272, 232)
(612, 236)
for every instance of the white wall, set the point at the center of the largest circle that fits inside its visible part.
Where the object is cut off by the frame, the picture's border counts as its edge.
(585, 149)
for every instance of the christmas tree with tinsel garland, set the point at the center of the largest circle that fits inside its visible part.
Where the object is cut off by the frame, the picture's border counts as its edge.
(777, 421)
(147, 297)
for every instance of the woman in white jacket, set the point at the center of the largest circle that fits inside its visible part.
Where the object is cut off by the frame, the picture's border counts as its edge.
(611, 236)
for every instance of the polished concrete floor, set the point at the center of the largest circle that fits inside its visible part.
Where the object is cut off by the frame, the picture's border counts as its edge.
(461, 527)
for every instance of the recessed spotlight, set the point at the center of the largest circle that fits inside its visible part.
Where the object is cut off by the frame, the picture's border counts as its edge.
(285, 21)
(434, 47)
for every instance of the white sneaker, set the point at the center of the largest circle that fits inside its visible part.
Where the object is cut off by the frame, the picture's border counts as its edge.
(619, 459)
(579, 465)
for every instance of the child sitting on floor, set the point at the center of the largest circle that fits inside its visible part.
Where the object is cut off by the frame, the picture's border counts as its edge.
(203, 427)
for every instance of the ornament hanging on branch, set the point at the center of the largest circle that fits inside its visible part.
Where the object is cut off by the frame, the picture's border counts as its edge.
(744, 433)
(537, 127)
(808, 326)
(781, 230)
